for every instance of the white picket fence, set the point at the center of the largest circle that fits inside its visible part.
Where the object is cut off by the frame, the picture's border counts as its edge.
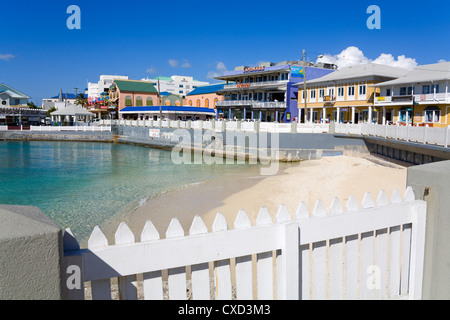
(372, 252)
(425, 135)
(70, 128)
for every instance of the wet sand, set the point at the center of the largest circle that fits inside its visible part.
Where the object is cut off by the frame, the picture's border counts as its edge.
(307, 182)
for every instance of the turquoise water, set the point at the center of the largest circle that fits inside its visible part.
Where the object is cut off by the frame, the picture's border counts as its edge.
(82, 184)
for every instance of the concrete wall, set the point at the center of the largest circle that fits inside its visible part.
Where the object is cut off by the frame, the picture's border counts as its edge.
(431, 182)
(291, 147)
(30, 255)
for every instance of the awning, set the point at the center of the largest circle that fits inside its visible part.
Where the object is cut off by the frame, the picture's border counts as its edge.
(432, 108)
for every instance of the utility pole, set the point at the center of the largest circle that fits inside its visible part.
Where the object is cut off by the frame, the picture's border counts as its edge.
(305, 96)
(159, 102)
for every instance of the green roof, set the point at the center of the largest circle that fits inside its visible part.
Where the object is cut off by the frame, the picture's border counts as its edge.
(135, 86)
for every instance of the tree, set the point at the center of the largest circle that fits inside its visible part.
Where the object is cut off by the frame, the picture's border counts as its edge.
(81, 100)
(31, 105)
(52, 109)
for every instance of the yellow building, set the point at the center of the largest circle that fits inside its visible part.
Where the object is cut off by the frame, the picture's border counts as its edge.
(346, 95)
(421, 97)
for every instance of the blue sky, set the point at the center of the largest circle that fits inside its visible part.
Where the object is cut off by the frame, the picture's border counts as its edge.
(39, 55)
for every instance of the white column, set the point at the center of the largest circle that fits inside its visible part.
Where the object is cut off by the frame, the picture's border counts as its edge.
(370, 115)
(311, 115)
(384, 115)
(324, 111)
(338, 115)
(353, 115)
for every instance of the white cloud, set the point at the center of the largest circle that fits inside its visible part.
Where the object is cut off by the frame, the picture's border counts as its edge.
(173, 63)
(6, 57)
(354, 56)
(185, 64)
(220, 69)
(151, 70)
(442, 61)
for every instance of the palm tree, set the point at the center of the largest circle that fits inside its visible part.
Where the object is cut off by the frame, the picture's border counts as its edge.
(81, 100)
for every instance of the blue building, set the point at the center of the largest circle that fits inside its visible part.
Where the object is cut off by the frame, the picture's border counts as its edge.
(267, 93)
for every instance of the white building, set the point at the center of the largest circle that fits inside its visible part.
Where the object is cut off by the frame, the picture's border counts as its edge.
(95, 89)
(179, 85)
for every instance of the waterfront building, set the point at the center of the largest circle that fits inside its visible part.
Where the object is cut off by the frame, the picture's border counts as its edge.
(131, 93)
(50, 102)
(14, 110)
(169, 99)
(179, 85)
(420, 97)
(95, 89)
(267, 92)
(346, 95)
(182, 113)
(206, 97)
(10, 97)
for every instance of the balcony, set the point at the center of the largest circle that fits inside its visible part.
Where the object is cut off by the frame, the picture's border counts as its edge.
(252, 104)
(432, 98)
(249, 85)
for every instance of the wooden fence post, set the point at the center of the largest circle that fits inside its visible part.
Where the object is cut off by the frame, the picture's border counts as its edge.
(290, 262)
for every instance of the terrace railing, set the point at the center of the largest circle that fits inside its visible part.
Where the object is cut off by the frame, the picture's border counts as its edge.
(375, 251)
(425, 135)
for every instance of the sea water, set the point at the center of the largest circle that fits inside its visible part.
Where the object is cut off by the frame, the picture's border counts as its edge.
(83, 184)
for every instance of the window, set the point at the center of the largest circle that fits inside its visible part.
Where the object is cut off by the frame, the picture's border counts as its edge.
(405, 116)
(432, 116)
(206, 103)
(139, 102)
(198, 103)
(128, 101)
(313, 94)
(362, 90)
(190, 103)
(426, 90)
(388, 92)
(16, 102)
(331, 92)
(340, 92)
(406, 91)
(321, 93)
(181, 91)
(181, 86)
(351, 91)
(215, 101)
(435, 87)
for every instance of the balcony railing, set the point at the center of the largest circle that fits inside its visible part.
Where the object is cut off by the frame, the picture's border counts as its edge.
(255, 84)
(253, 104)
(438, 97)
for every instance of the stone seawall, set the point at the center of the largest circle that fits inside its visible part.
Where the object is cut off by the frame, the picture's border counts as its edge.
(287, 147)
(57, 136)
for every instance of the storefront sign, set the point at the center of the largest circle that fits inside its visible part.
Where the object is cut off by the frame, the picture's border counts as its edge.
(243, 85)
(154, 133)
(254, 69)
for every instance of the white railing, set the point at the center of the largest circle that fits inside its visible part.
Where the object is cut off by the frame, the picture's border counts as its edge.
(438, 97)
(275, 127)
(425, 135)
(258, 84)
(372, 252)
(70, 128)
(239, 125)
(230, 103)
(313, 128)
(3, 128)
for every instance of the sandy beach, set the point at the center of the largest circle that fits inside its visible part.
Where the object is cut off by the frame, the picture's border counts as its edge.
(306, 182)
